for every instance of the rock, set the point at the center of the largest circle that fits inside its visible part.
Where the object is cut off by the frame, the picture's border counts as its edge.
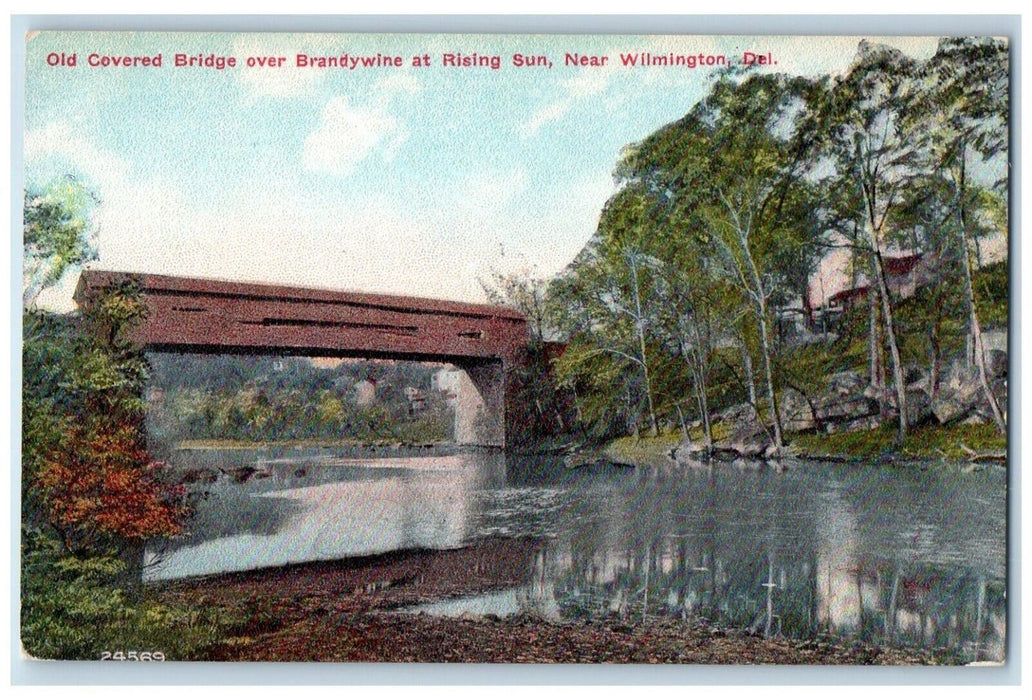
(796, 414)
(919, 406)
(845, 383)
(849, 426)
(842, 408)
(242, 474)
(959, 392)
(947, 409)
(200, 476)
(960, 379)
(751, 441)
(982, 409)
(739, 413)
(999, 388)
(689, 452)
(996, 363)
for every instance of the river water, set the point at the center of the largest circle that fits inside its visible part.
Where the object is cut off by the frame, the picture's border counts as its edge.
(904, 555)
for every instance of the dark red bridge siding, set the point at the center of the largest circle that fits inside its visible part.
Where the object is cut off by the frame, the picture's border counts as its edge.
(212, 316)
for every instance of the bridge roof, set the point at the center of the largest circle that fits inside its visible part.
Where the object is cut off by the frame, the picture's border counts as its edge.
(92, 280)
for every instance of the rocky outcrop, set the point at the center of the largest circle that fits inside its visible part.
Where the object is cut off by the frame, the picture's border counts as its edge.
(961, 399)
(796, 412)
(846, 404)
(749, 436)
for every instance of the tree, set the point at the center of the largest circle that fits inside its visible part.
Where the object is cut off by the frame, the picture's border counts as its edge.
(732, 170)
(98, 485)
(57, 235)
(968, 107)
(613, 284)
(533, 386)
(879, 147)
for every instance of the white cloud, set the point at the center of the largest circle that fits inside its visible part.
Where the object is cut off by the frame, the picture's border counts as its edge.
(60, 145)
(136, 218)
(435, 248)
(346, 135)
(587, 83)
(552, 112)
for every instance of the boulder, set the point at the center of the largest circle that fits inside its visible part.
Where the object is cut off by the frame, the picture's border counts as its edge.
(999, 388)
(849, 426)
(796, 414)
(749, 437)
(947, 408)
(996, 363)
(844, 408)
(919, 406)
(739, 413)
(959, 393)
(960, 380)
(846, 383)
(982, 409)
(752, 446)
(689, 452)
(200, 476)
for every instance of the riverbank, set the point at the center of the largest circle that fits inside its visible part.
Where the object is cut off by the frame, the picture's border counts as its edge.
(355, 610)
(975, 444)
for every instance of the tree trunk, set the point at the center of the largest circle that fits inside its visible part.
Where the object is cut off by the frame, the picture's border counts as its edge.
(764, 342)
(874, 342)
(976, 338)
(978, 349)
(890, 335)
(640, 324)
(750, 378)
(698, 371)
(707, 428)
(761, 307)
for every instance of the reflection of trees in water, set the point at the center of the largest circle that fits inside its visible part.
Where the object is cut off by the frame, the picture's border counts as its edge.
(751, 553)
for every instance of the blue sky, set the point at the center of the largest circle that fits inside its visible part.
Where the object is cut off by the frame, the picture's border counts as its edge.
(398, 180)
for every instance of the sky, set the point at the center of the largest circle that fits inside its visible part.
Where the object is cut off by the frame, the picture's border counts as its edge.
(405, 180)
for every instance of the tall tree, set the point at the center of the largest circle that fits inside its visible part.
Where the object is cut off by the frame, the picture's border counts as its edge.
(879, 146)
(968, 81)
(733, 170)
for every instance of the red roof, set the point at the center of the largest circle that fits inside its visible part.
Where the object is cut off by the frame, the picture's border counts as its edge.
(901, 265)
(847, 295)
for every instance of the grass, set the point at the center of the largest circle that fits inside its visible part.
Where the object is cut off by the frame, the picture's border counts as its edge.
(925, 442)
(928, 442)
(642, 450)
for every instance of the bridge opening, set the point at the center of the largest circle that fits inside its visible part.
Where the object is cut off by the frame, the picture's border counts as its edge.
(198, 400)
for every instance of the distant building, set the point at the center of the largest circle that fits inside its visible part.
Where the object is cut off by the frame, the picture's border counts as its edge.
(365, 392)
(903, 275)
(415, 399)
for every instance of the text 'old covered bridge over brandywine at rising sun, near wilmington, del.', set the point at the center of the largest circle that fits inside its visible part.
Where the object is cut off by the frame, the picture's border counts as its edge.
(206, 316)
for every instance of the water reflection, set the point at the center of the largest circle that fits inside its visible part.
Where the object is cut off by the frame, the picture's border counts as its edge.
(909, 556)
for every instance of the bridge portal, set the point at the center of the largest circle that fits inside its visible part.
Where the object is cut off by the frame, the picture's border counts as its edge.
(192, 315)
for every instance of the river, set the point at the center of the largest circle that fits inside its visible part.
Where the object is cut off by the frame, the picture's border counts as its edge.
(911, 556)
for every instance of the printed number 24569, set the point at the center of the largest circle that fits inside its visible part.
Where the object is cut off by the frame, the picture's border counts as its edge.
(132, 656)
